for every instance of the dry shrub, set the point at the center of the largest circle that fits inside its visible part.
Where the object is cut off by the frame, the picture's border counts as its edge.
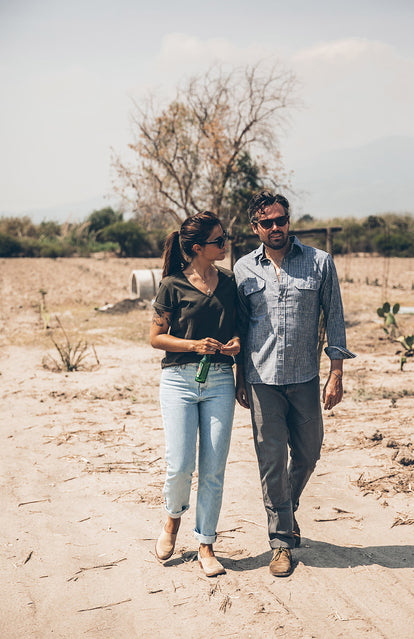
(72, 355)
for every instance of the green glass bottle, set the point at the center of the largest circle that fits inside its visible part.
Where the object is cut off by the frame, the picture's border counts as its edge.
(202, 370)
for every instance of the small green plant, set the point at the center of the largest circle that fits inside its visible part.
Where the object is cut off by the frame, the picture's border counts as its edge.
(391, 329)
(408, 343)
(44, 313)
(390, 324)
(373, 282)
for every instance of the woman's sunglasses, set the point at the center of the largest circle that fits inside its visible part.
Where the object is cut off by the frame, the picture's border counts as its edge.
(220, 241)
(268, 224)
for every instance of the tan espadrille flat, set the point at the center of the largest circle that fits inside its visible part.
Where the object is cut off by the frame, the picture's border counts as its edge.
(165, 545)
(211, 566)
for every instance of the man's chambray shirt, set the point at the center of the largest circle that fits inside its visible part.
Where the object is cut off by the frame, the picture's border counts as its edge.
(279, 319)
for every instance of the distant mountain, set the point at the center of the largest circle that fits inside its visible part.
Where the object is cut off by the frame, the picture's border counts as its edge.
(372, 179)
(73, 212)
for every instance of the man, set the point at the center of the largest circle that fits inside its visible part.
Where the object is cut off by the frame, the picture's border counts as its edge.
(282, 287)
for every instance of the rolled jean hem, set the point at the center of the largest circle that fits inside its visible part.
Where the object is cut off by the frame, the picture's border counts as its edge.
(205, 539)
(277, 543)
(176, 515)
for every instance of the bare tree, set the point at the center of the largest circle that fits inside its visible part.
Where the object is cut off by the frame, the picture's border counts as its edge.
(186, 154)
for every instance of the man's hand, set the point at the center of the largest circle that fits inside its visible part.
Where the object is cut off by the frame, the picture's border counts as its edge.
(241, 396)
(241, 393)
(332, 391)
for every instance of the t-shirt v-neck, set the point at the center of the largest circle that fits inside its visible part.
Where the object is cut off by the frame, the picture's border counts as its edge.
(198, 289)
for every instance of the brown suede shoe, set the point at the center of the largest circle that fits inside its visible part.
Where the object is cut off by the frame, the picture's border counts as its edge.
(296, 532)
(281, 564)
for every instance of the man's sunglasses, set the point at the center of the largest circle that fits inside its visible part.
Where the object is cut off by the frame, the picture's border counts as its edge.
(220, 241)
(268, 223)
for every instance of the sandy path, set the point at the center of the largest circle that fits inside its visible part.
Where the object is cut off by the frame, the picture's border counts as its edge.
(81, 480)
(354, 575)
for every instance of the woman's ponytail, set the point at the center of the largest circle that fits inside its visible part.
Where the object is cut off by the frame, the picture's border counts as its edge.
(172, 256)
(178, 248)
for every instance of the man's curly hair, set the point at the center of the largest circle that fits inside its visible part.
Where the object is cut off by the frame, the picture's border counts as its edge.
(260, 201)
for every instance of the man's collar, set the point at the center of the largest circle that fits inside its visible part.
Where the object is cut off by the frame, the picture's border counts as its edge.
(295, 246)
(259, 253)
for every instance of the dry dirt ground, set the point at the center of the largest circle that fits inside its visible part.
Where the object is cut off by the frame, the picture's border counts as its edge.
(82, 472)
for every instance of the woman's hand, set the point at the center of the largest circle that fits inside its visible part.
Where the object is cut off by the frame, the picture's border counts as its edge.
(207, 346)
(232, 347)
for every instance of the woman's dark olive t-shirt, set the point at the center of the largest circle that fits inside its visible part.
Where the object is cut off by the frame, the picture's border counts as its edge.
(195, 315)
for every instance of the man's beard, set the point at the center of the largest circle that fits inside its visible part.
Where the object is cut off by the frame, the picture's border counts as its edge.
(277, 242)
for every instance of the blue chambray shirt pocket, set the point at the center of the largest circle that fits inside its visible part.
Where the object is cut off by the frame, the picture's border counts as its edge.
(255, 293)
(306, 300)
(308, 284)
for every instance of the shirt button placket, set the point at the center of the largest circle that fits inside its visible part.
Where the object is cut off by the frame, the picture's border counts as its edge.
(281, 330)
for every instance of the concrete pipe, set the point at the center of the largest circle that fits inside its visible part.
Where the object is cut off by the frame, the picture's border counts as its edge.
(144, 283)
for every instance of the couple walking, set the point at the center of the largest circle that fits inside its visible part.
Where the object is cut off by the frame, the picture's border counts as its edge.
(265, 316)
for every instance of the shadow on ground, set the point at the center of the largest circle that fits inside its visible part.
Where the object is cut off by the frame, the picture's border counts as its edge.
(321, 554)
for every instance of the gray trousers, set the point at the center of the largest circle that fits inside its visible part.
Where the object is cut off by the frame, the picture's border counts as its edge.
(285, 419)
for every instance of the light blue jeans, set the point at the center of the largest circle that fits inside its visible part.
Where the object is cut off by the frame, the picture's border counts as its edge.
(190, 409)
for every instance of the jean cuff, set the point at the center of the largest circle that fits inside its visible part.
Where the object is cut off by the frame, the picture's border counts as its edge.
(177, 515)
(205, 539)
(277, 543)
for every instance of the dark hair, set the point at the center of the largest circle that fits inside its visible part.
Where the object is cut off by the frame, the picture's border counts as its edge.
(178, 248)
(262, 200)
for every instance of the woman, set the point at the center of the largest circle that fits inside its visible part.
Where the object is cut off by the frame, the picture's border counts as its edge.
(194, 316)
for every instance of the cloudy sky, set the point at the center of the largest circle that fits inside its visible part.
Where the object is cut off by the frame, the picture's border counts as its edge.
(68, 72)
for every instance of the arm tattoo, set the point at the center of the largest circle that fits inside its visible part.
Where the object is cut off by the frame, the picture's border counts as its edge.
(159, 316)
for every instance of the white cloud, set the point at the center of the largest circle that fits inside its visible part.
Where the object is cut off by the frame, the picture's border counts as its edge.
(182, 51)
(346, 50)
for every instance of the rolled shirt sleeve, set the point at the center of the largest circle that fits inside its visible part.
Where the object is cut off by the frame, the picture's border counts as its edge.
(332, 307)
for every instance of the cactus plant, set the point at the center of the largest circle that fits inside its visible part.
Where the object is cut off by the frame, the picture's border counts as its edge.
(391, 329)
(390, 324)
(408, 343)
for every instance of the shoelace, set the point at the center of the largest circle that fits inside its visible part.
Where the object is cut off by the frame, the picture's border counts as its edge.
(279, 551)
